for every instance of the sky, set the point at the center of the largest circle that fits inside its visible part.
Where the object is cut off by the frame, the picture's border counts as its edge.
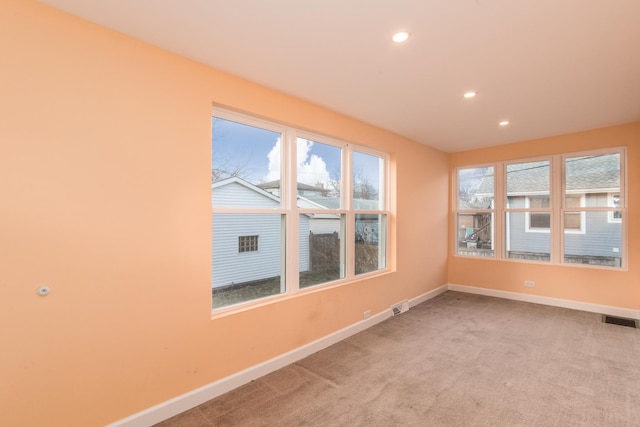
(256, 152)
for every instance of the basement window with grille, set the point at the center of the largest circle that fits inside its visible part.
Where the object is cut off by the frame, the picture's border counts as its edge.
(248, 244)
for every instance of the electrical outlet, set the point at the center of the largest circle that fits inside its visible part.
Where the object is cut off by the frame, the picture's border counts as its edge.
(530, 283)
(366, 314)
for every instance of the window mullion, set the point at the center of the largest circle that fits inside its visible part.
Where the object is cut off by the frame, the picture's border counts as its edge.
(556, 205)
(623, 205)
(349, 226)
(290, 194)
(499, 211)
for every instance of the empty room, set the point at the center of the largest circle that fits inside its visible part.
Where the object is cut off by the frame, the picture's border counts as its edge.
(322, 213)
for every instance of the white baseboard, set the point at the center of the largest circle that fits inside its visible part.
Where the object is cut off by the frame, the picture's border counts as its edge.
(556, 302)
(210, 391)
(427, 296)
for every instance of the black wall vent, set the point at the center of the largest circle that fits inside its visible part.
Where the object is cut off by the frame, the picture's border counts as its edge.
(631, 323)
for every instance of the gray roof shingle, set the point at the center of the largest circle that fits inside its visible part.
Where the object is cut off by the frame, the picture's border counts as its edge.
(585, 173)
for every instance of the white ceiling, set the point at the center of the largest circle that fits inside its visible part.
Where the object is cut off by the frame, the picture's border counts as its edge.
(548, 66)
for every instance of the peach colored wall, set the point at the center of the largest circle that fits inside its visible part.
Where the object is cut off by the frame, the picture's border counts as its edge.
(584, 284)
(105, 196)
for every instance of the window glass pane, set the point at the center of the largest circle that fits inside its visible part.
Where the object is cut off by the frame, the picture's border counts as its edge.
(322, 246)
(589, 176)
(599, 244)
(475, 234)
(247, 257)
(520, 243)
(475, 188)
(319, 173)
(368, 186)
(370, 242)
(245, 163)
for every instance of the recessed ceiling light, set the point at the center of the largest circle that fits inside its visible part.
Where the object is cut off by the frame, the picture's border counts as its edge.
(470, 94)
(400, 37)
(504, 123)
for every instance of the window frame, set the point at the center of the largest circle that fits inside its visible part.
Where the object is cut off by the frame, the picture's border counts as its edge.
(291, 212)
(557, 209)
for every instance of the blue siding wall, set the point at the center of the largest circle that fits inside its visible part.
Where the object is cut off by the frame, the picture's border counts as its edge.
(600, 237)
(303, 239)
(231, 266)
(526, 241)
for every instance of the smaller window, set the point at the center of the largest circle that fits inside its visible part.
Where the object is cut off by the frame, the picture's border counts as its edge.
(614, 202)
(538, 221)
(248, 244)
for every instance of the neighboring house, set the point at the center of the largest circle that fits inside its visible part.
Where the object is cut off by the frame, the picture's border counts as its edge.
(314, 197)
(247, 247)
(324, 223)
(304, 190)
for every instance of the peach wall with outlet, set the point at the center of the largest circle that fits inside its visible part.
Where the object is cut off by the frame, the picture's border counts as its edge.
(584, 284)
(105, 197)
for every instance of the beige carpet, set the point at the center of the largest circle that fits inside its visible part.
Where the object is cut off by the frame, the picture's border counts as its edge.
(456, 360)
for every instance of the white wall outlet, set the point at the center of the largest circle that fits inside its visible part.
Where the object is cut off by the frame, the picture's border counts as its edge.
(530, 283)
(616, 250)
(366, 314)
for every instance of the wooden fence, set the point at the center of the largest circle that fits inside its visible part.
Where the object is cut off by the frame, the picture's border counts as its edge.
(324, 251)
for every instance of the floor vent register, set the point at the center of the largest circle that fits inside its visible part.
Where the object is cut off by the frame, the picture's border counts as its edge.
(631, 323)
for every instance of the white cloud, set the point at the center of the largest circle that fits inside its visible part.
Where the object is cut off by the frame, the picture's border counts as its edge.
(312, 169)
(274, 163)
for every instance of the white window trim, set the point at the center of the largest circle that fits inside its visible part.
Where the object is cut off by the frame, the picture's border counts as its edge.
(289, 210)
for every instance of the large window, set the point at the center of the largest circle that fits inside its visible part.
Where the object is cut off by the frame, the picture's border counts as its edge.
(291, 210)
(560, 209)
